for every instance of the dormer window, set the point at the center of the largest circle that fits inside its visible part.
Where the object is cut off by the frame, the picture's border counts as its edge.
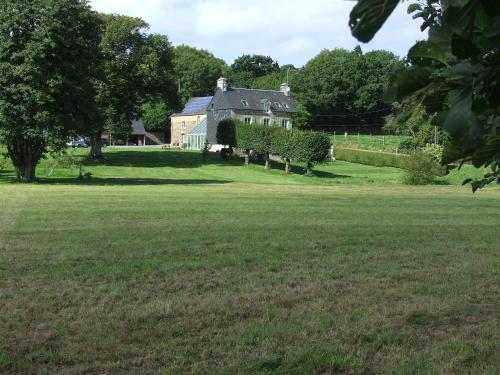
(285, 105)
(245, 103)
(277, 105)
(267, 107)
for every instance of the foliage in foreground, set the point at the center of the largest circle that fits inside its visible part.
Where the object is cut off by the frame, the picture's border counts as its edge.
(454, 73)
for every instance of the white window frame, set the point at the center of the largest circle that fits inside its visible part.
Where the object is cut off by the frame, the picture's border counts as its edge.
(183, 125)
(245, 103)
(277, 105)
(285, 123)
(285, 105)
(248, 120)
(266, 119)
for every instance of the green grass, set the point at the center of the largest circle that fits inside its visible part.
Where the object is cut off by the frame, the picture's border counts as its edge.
(388, 143)
(162, 264)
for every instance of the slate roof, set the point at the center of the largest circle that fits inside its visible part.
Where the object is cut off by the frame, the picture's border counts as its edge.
(197, 106)
(200, 129)
(255, 98)
(138, 128)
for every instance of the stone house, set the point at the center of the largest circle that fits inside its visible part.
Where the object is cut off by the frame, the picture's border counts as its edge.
(251, 106)
(194, 113)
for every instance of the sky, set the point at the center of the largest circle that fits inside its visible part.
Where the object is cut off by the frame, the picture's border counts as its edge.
(290, 31)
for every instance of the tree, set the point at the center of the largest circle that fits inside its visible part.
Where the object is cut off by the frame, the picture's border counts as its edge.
(310, 148)
(454, 73)
(345, 88)
(273, 81)
(197, 72)
(282, 144)
(301, 118)
(247, 68)
(135, 68)
(156, 115)
(48, 50)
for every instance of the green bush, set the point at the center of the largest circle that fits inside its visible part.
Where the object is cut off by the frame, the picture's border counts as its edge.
(226, 133)
(375, 158)
(421, 169)
(283, 145)
(310, 147)
(435, 152)
(244, 140)
(407, 146)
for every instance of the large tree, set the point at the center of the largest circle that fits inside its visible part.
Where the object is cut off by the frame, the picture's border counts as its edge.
(197, 72)
(135, 68)
(345, 88)
(247, 68)
(48, 50)
(455, 73)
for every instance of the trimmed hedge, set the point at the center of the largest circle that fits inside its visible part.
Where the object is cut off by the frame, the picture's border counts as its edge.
(310, 147)
(302, 146)
(226, 133)
(377, 159)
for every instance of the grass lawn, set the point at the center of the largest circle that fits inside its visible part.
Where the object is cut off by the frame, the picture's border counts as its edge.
(388, 143)
(162, 264)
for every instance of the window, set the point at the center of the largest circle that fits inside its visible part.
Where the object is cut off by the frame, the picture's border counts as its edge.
(247, 120)
(183, 125)
(245, 103)
(267, 107)
(285, 105)
(277, 105)
(266, 121)
(284, 123)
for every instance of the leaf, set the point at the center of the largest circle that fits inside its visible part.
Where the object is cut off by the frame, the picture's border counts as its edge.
(413, 8)
(406, 82)
(463, 48)
(368, 16)
(423, 52)
(468, 181)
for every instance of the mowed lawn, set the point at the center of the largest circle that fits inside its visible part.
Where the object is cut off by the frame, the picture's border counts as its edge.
(162, 264)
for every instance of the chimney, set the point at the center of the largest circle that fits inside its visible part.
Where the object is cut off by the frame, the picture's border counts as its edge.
(222, 84)
(285, 89)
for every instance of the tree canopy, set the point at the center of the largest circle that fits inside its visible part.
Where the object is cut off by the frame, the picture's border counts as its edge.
(247, 68)
(341, 87)
(454, 73)
(48, 52)
(197, 71)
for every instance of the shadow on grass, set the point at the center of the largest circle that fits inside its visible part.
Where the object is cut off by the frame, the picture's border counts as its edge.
(95, 181)
(155, 159)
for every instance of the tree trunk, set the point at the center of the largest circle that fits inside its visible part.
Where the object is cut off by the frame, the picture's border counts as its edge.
(309, 171)
(25, 157)
(96, 147)
(247, 157)
(268, 163)
(287, 166)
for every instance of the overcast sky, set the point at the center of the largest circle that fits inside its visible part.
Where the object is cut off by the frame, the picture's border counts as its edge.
(290, 31)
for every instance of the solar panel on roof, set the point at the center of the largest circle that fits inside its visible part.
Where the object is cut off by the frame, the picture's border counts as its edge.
(197, 105)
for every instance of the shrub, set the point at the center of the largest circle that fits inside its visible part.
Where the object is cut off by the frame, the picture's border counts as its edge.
(375, 158)
(407, 146)
(63, 159)
(283, 145)
(421, 169)
(310, 148)
(243, 136)
(435, 152)
(226, 133)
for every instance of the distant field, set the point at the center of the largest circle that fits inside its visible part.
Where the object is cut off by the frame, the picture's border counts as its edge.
(370, 142)
(161, 264)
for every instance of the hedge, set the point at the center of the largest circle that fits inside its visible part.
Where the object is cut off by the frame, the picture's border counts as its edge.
(302, 146)
(377, 159)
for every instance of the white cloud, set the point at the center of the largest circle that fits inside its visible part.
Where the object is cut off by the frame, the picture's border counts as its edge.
(291, 31)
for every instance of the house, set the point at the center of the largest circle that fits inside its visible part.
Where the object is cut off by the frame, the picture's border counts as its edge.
(251, 106)
(182, 124)
(137, 136)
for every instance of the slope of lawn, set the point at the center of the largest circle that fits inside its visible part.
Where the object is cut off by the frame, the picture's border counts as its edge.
(388, 143)
(182, 268)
